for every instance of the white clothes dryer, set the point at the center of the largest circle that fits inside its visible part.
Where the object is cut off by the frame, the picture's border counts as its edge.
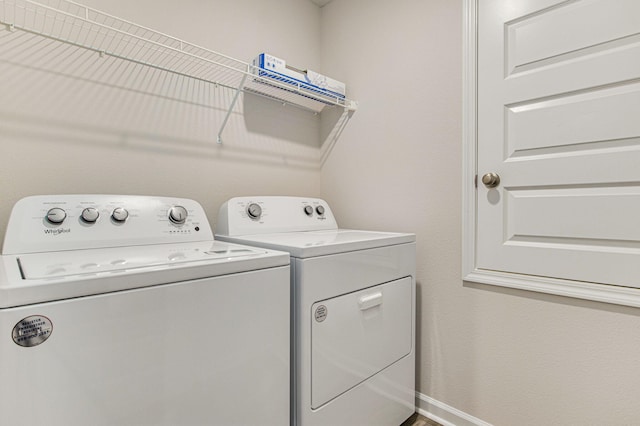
(123, 310)
(353, 309)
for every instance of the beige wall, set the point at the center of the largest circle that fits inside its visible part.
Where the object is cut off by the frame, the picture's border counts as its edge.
(506, 357)
(62, 132)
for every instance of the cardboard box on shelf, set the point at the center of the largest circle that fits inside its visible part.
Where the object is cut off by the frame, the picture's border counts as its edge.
(270, 66)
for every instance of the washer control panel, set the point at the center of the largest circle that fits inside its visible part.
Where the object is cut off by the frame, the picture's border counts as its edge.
(261, 215)
(69, 222)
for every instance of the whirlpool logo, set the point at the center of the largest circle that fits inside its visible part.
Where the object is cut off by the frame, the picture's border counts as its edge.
(57, 231)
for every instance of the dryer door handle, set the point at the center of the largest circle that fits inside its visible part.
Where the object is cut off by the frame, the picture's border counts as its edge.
(370, 300)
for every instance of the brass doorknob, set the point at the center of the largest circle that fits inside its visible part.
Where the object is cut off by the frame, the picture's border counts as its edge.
(491, 180)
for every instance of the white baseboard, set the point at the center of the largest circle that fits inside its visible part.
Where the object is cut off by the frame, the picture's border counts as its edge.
(445, 414)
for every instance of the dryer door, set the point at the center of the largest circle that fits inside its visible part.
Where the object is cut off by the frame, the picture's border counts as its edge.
(356, 335)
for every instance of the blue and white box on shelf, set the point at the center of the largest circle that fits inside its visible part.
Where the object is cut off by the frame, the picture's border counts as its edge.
(276, 68)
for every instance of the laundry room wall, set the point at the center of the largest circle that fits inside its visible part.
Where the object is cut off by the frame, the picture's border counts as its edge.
(74, 122)
(506, 357)
(485, 354)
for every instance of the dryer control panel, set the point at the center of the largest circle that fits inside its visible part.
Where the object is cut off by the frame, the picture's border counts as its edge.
(270, 214)
(71, 222)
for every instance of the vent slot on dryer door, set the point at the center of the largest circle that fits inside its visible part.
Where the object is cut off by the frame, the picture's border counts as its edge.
(356, 335)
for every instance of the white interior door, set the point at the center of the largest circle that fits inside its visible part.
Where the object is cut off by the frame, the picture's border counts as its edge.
(558, 119)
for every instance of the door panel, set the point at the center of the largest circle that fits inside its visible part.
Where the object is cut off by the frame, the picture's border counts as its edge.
(555, 33)
(570, 124)
(558, 103)
(358, 335)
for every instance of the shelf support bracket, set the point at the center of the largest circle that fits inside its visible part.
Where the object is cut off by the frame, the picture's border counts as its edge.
(233, 103)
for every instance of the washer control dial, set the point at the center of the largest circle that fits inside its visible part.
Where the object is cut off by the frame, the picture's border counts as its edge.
(308, 210)
(178, 214)
(119, 214)
(254, 211)
(320, 210)
(90, 214)
(56, 215)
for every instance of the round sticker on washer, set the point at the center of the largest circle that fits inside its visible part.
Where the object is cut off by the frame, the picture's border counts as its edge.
(31, 331)
(321, 313)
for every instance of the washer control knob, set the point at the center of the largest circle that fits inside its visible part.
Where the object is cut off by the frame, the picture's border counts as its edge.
(119, 214)
(320, 210)
(178, 214)
(308, 210)
(254, 211)
(56, 215)
(90, 214)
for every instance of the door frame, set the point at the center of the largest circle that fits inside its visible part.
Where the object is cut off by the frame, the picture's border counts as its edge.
(470, 271)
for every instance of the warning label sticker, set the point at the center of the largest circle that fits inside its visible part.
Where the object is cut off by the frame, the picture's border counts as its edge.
(31, 331)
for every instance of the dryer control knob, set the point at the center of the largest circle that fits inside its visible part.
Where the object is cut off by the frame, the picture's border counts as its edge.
(56, 215)
(178, 214)
(119, 214)
(320, 210)
(308, 210)
(90, 214)
(254, 211)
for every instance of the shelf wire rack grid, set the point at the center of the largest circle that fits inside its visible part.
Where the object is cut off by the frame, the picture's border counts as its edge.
(90, 29)
(104, 34)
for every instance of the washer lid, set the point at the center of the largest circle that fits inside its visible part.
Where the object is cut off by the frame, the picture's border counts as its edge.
(43, 277)
(321, 243)
(75, 265)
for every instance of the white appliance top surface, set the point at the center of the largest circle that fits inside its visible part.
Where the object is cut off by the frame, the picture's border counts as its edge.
(302, 226)
(321, 243)
(43, 277)
(64, 246)
(76, 264)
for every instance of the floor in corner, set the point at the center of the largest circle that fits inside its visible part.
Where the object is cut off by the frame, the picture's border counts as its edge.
(418, 420)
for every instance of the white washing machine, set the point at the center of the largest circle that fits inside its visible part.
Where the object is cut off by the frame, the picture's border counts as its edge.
(353, 309)
(122, 310)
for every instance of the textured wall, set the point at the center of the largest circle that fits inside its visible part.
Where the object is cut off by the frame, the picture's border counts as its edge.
(504, 356)
(507, 357)
(72, 122)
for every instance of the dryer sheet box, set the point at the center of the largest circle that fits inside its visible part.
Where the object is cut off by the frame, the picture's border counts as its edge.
(276, 68)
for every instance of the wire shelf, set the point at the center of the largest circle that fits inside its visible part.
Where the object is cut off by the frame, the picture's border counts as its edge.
(106, 35)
